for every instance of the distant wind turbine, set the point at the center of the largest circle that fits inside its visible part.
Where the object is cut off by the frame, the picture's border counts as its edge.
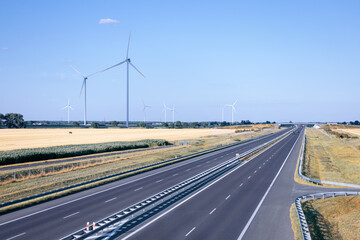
(173, 113)
(68, 107)
(144, 110)
(232, 110)
(165, 109)
(84, 83)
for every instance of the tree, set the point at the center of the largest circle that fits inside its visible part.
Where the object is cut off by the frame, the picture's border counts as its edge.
(164, 124)
(185, 125)
(1, 119)
(114, 123)
(206, 125)
(194, 125)
(142, 124)
(95, 125)
(76, 124)
(171, 125)
(14, 120)
(178, 124)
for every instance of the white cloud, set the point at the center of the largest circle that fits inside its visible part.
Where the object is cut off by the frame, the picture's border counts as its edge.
(108, 21)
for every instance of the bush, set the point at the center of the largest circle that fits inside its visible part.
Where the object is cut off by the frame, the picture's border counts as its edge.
(38, 154)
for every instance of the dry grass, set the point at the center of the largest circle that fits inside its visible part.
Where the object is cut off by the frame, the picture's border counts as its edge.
(32, 186)
(331, 159)
(11, 139)
(334, 218)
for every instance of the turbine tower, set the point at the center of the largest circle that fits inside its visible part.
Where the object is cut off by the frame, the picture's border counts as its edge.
(232, 110)
(173, 113)
(68, 107)
(165, 109)
(144, 110)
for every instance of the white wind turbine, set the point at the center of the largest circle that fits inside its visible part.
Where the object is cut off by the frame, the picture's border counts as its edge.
(173, 113)
(128, 62)
(232, 110)
(144, 110)
(68, 107)
(84, 83)
(165, 109)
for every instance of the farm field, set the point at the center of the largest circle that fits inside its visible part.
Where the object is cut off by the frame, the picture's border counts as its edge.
(330, 158)
(355, 131)
(11, 139)
(40, 183)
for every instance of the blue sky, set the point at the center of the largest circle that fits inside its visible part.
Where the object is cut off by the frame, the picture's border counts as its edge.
(283, 60)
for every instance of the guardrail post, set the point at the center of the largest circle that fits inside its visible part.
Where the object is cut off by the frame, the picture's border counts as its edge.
(87, 226)
(93, 226)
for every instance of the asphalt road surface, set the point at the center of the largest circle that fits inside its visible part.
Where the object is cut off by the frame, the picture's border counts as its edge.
(60, 217)
(226, 208)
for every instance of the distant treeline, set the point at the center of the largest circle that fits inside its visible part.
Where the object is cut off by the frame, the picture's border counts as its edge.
(350, 123)
(37, 154)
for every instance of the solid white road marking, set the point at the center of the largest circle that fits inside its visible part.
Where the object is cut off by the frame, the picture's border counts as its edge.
(70, 215)
(266, 193)
(212, 211)
(16, 236)
(138, 189)
(227, 197)
(110, 199)
(190, 231)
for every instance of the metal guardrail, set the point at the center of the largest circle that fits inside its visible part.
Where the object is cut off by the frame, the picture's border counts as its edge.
(118, 218)
(304, 226)
(56, 191)
(316, 181)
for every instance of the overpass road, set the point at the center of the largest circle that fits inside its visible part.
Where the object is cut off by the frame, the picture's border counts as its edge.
(58, 218)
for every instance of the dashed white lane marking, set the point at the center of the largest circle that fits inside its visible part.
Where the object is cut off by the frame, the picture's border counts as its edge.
(138, 189)
(16, 236)
(263, 163)
(188, 169)
(159, 180)
(110, 199)
(240, 185)
(190, 231)
(175, 174)
(209, 161)
(259, 167)
(198, 165)
(227, 197)
(70, 215)
(249, 177)
(255, 171)
(212, 211)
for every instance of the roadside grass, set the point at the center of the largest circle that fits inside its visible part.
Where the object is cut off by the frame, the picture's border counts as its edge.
(33, 186)
(330, 159)
(295, 225)
(333, 218)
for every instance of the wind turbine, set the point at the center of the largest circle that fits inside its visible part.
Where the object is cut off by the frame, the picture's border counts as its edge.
(68, 107)
(84, 83)
(144, 110)
(232, 110)
(164, 110)
(173, 113)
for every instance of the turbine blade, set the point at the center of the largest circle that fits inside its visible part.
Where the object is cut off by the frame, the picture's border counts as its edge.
(235, 102)
(77, 71)
(127, 52)
(106, 68)
(82, 86)
(136, 69)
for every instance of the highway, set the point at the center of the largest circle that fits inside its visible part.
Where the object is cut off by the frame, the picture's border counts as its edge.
(60, 217)
(225, 209)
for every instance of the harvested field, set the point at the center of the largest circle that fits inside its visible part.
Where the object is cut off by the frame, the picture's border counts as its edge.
(355, 131)
(334, 218)
(25, 186)
(11, 139)
(331, 159)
